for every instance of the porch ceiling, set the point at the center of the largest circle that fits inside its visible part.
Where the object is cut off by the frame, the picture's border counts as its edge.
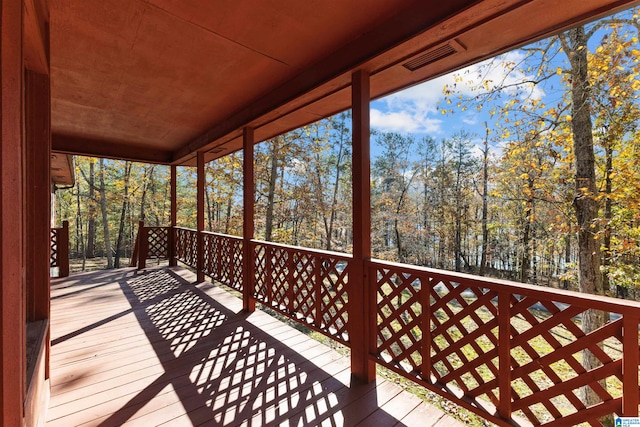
(158, 80)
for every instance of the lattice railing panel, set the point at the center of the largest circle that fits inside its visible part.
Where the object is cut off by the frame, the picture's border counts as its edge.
(464, 337)
(236, 278)
(334, 273)
(158, 241)
(303, 301)
(210, 248)
(261, 284)
(398, 319)
(281, 284)
(506, 349)
(309, 286)
(223, 259)
(53, 257)
(186, 246)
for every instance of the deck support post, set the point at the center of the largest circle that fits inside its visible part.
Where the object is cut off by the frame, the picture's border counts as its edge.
(12, 258)
(248, 226)
(630, 361)
(63, 251)
(143, 245)
(361, 320)
(200, 218)
(174, 217)
(38, 194)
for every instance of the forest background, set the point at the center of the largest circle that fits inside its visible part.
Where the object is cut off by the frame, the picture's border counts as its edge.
(474, 172)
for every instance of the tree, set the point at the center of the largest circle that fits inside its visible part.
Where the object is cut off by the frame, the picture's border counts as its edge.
(393, 175)
(425, 166)
(102, 191)
(537, 69)
(463, 167)
(614, 71)
(80, 237)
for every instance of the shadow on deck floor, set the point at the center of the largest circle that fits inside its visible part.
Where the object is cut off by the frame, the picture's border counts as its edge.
(151, 348)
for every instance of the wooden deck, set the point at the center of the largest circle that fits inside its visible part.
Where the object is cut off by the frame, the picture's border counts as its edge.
(151, 348)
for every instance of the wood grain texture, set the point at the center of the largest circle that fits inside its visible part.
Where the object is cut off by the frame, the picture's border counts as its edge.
(152, 348)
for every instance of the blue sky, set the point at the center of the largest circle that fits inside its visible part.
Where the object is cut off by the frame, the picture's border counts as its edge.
(416, 109)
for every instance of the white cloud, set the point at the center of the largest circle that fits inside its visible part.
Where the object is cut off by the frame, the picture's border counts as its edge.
(404, 121)
(470, 120)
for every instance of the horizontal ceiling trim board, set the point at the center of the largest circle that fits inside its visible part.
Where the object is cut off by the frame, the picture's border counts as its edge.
(108, 149)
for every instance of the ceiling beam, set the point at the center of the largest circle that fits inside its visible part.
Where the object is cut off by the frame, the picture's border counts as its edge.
(403, 26)
(108, 149)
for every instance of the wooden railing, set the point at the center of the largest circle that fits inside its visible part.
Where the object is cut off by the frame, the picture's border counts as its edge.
(502, 349)
(223, 259)
(186, 246)
(309, 286)
(60, 249)
(508, 351)
(151, 243)
(222, 255)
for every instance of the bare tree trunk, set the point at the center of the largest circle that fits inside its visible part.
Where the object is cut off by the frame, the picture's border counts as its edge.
(165, 202)
(459, 210)
(105, 216)
(123, 212)
(585, 201)
(146, 179)
(79, 233)
(402, 251)
(567, 255)
(207, 199)
(227, 223)
(91, 226)
(621, 291)
(336, 182)
(271, 192)
(458, 240)
(319, 199)
(485, 200)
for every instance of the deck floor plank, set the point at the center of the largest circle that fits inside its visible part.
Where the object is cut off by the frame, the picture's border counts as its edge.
(144, 348)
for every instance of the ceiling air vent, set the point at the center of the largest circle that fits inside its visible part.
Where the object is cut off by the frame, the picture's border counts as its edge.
(433, 55)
